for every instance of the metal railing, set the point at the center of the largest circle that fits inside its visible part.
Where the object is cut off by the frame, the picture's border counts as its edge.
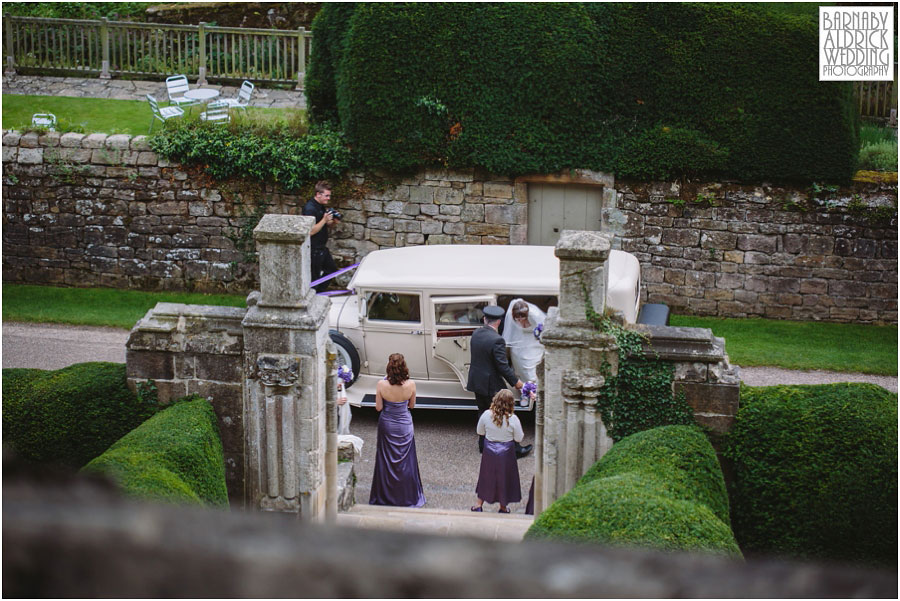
(203, 52)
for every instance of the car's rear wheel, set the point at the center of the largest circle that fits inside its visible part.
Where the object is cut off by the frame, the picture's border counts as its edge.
(347, 354)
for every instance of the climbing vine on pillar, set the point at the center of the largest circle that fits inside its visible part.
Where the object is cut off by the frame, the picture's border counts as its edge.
(640, 396)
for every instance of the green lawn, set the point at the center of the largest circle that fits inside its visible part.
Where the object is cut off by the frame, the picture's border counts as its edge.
(101, 114)
(749, 342)
(96, 306)
(804, 345)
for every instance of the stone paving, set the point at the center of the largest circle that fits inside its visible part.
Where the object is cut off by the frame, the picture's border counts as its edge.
(491, 526)
(122, 89)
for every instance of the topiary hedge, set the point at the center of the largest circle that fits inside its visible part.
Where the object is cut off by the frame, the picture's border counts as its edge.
(176, 456)
(660, 488)
(815, 472)
(643, 90)
(71, 415)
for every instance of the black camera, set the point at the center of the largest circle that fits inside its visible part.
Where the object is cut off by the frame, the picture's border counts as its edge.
(336, 214)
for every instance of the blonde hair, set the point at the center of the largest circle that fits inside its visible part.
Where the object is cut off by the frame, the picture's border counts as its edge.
(502, 406)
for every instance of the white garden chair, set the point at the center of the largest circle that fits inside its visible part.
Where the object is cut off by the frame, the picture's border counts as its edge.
(47, 120)
(242, 100)
(163, 114)
(176, 86)
(216, 112)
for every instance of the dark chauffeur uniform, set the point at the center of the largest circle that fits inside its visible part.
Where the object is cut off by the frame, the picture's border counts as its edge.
(489, 367)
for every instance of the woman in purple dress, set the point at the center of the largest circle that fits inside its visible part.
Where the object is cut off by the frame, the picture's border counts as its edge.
(396, 480)
(498, 479)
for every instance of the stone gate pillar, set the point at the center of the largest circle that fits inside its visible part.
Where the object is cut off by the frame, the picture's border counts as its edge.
(285, 337)
(573, 434)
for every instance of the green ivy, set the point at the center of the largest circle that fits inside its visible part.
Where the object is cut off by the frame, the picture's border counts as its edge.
(639, 89)
(640, 395)
(274, 156)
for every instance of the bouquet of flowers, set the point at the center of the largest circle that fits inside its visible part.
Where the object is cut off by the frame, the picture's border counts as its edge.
(527, 390)
(345, 373)
(537, 330)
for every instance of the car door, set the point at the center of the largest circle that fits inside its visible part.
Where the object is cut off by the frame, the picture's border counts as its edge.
(455, 319)
(393, 324)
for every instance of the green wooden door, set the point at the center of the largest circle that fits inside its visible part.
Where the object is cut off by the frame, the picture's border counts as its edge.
(553, 208)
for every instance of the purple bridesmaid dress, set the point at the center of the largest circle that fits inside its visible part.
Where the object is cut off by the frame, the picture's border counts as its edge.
(396, 480)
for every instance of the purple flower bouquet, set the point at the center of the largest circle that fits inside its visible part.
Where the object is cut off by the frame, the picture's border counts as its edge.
(537, 330)
(345, 374)
(527, 390)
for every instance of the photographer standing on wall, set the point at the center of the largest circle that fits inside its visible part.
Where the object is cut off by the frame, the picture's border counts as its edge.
(322, 263)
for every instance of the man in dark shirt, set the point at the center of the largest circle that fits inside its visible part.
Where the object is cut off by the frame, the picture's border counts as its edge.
(321, 262)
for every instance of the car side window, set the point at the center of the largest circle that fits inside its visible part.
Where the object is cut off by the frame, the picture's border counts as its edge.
(459, 314)
(390, 306)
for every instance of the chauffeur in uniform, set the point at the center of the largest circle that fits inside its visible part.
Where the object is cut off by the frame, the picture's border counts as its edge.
(489, 367)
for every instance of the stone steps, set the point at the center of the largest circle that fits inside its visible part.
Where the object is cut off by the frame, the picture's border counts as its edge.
(447, 522)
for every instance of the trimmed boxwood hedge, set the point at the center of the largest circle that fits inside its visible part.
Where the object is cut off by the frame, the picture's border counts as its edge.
(660, 488)
(642, 90)
(175, 456)
(815, 472)
(69, 416)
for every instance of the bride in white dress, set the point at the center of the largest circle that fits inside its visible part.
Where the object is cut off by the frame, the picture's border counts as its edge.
(518, 332)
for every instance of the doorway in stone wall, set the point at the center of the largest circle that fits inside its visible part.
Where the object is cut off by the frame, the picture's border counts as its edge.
(555, 207)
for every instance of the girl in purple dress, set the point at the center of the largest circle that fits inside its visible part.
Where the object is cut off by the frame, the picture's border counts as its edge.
(498, 480)
(396, 480)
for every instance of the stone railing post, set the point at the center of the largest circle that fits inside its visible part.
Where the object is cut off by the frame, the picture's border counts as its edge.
(573, 433)
(285, 415)
(104, 45)
(201, 38)
(301, 57)
(10, 56)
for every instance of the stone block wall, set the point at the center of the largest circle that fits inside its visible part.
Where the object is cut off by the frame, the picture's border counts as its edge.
(766, 251)
(98, 210)
(711, 385)
(194, 349)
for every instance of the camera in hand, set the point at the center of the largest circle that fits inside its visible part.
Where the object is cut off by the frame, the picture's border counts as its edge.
(336, 214)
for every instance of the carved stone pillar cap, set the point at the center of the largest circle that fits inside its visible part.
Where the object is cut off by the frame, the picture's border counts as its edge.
(284, 228)
(584, 384)
(581, 245)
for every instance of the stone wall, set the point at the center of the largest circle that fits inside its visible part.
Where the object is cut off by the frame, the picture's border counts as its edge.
(767, 251)
(68, 536)
(193, 349)
(97, 210)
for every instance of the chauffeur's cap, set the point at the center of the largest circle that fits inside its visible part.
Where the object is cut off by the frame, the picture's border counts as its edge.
(493, 312)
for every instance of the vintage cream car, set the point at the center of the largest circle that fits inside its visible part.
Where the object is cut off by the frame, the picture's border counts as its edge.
(425, 302)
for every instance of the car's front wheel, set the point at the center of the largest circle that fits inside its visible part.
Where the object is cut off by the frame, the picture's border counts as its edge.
(347, 354)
